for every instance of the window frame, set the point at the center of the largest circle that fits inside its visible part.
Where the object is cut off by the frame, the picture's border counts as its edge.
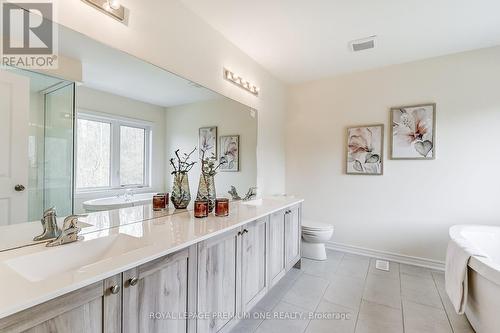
(116, 122)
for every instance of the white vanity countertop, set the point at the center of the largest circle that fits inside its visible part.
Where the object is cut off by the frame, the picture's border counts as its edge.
(35, 274)
(19, 235)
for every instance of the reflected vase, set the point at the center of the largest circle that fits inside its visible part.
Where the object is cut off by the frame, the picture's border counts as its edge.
(181, 196)
(206, 190)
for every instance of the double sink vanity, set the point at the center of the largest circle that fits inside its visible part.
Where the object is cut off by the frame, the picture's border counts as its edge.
(171, 273)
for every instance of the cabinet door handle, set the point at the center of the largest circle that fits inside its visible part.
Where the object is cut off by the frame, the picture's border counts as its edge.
(114, 289)
(240, 233)
(133, 281)
(245, 231)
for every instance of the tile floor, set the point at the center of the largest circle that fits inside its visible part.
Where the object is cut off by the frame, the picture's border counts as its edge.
(362, 298)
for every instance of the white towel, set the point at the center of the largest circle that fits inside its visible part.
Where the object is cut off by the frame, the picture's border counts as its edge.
(457, 259)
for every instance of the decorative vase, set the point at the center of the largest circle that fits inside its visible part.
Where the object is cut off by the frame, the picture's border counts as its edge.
(206, 190)
(181, 196)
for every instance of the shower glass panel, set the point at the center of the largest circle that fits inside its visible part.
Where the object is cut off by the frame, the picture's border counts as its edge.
(58, 148)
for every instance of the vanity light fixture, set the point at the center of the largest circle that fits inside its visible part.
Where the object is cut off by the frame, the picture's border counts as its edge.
(240, 82)
(109, 7)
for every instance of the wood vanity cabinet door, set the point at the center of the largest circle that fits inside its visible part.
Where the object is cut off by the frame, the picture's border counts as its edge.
(276, 247)
(292, 236)
(155, 295)
(218, 282)
(253, 262)
(91, 309)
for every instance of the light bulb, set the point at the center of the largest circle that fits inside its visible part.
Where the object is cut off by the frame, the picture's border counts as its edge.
(114, 4)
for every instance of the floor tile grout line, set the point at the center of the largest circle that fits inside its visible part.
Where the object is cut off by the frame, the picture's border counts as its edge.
(442, 302)
(361, 300)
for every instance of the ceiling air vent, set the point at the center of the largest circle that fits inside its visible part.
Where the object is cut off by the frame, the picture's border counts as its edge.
(363, 44)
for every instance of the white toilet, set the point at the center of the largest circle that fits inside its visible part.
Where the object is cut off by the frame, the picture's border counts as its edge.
(314, 236)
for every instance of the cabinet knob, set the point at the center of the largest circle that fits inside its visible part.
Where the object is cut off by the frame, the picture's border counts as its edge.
(114, 289)
(245, 231)
(133, 281)
(19, 188)
(240, 233)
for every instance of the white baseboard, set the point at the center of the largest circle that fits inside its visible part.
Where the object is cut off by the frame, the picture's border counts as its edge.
(400, 258)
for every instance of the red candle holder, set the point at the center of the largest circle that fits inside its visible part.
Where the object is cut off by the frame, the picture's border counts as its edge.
(201, 208)
(160, 201)
(221, 207)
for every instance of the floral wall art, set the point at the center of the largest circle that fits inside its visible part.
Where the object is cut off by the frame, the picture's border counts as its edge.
(413, 132)
(207, 138)
(230, 152)
(365, 150)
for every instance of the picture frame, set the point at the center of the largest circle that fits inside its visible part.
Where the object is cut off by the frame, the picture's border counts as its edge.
(230, 150)
(413, 132)
(207, 141)
(365, 150)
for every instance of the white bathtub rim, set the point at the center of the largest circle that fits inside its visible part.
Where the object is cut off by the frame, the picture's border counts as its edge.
(485, 266)
(94, 205)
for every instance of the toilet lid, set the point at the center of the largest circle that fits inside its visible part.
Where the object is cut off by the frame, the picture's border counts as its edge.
(316, 226)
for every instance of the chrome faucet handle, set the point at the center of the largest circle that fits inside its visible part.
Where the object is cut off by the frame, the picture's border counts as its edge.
(69, 233)
(251, 194)
(49, 224)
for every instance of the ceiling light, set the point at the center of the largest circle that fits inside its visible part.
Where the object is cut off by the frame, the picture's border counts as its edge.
(110, 7)
(114, 4)
(240, 82)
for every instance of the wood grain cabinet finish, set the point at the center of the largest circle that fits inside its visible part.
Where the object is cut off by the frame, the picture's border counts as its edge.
(91, 309)
(219, 284)
(292, 236)
(254, 240)
(155, 295)
(276, 247)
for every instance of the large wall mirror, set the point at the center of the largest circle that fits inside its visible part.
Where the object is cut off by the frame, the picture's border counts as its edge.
(103, 142)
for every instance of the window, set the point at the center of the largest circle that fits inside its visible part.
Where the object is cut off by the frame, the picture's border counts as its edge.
(111, 152)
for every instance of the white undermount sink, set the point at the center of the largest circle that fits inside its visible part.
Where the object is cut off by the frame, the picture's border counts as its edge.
(72, 257)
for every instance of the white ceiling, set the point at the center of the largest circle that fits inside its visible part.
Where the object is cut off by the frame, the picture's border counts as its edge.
(300, 40)
(116, 72)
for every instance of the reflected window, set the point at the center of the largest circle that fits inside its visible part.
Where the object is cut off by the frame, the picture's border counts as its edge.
(112, 152)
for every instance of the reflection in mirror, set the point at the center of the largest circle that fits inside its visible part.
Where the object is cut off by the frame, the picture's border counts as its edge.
(102, 140)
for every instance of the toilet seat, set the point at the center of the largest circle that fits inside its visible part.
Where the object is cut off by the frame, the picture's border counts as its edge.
(310, 226)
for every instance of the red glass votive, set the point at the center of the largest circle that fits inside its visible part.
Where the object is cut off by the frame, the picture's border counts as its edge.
(201, 208)
(159, 201)
(222, 207)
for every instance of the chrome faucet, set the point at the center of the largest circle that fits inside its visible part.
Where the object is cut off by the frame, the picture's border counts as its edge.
(251, 194)
(49, 224)
(69, 233)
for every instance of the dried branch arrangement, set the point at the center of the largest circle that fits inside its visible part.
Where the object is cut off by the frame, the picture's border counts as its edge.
(208, 164)
(182, 165)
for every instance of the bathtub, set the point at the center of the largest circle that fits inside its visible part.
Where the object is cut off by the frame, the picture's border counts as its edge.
(121, 201)
(483, 300)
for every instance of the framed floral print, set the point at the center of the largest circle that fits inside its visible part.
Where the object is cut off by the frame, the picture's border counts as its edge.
(230, 152)
(365, 145)
(413, 132)
(207, 141)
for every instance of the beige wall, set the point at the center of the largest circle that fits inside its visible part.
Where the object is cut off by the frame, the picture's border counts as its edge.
(166, 34)
(102, 102)
(409, 209)
(231, 118)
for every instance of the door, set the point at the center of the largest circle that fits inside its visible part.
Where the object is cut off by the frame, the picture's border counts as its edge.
(218, 289)
(276, 247)
(253, 263)
(155, 295)
(14, 115)
(292, 236)
(91, 309)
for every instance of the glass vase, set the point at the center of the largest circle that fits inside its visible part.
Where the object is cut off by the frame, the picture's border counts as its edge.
(206, 190)
(181, 196)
